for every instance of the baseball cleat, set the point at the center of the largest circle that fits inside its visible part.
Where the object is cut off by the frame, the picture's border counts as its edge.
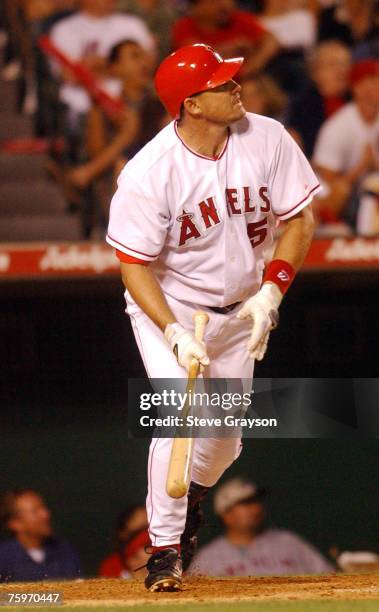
(167, 584)
(164, 571)
(194, 520)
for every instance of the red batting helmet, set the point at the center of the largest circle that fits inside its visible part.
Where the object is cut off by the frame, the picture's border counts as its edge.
(190, 70)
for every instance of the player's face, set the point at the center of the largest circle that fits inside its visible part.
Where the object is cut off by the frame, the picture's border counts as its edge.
(222, 104)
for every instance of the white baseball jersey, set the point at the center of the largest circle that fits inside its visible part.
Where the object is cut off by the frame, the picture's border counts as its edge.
(204, 223)
(273, 552)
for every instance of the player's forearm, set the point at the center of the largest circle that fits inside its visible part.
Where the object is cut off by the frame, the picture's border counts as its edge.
(293, 244)
(144, 288)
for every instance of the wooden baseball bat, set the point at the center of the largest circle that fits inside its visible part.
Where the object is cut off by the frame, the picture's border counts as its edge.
(179, 468)
(111, 106)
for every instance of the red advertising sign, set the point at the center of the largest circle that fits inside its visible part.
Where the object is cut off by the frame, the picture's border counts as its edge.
(57, 259)
(97, 259)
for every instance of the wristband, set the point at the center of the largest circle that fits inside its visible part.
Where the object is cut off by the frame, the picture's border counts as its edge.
(281, 273)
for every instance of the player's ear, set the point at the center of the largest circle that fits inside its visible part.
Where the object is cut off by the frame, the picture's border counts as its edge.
(192, 106)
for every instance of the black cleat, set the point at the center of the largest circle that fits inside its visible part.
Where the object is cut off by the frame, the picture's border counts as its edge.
(194, 520)
(165, 571)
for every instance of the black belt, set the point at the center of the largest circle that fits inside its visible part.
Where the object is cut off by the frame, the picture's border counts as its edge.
(224, 309)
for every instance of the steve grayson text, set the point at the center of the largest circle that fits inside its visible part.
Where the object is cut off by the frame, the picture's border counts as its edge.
(195, 421)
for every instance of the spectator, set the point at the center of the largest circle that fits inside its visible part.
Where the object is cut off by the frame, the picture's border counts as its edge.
(370, 48)
(249, 547)
(262, 95)
(294, 27)
(12, 18)
(28, 19)
(88, 36)
(347, 147)
(132, 520)
(135, 555)
(39, 10)
(158, 15)
(329, 67)
(111, 145)
(58, 9)
(350, 21)
(25, 19)
(32, 552)
(230, 31)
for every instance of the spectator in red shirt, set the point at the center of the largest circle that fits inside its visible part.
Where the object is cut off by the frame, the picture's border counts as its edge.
(135, 555)
(132, 520)
(230, 31)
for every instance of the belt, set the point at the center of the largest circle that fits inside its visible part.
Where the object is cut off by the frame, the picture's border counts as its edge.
(224, 309)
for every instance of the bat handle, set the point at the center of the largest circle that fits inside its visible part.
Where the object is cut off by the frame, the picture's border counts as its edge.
(201, 319)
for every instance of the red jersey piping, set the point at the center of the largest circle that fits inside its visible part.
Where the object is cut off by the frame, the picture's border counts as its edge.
(298, 204)
(130, 249)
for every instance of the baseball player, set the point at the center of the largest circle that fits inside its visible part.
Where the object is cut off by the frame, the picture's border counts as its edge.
(193, 213)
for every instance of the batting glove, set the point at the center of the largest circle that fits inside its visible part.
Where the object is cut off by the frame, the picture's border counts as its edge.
(262, 309)
(185, 346)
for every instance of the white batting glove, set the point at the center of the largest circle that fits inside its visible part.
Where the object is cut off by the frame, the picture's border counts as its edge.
(185, 346)
(262, 309)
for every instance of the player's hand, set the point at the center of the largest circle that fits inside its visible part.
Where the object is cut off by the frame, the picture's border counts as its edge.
(185, 346)
(262, 309)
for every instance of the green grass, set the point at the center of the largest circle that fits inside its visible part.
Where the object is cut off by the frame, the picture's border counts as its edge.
(259, 606)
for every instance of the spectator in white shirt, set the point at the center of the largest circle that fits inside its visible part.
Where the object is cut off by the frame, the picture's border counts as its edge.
(249, 547)
(347, 147)
(88, 36)
(295, 30)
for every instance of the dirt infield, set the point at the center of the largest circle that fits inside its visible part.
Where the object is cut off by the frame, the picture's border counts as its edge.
(106, 593)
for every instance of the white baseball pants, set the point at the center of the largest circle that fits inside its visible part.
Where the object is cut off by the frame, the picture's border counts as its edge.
(226, 338)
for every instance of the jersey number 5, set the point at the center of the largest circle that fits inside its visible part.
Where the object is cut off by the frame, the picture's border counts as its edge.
(257, 232)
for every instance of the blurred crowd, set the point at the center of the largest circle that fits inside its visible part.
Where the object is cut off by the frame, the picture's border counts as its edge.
(85, 69)
(247, 545)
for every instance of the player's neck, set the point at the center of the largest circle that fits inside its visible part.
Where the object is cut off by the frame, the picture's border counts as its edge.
(202, 137)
